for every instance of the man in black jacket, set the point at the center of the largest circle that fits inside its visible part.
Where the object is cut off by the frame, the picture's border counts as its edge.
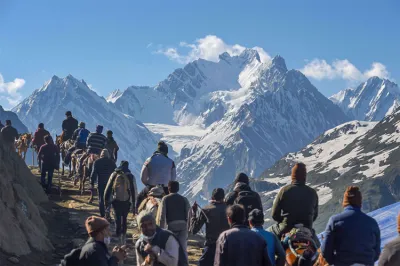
(214, 217)
(239, 246)
(242, 194)
(10, 134)
(101, 172)
(68, 126)
(95, 251)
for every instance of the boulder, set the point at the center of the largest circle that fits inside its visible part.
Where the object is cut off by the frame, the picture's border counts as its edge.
(22, 229)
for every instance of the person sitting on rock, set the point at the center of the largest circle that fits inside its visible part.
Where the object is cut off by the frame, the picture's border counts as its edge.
(95, 251)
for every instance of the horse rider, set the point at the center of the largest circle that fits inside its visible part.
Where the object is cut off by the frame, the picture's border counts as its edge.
(157, 170)
(80, 136)
(96, 142)
(68, 126)
(38, 140)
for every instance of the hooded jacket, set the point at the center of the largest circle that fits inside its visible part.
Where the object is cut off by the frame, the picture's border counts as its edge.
(239, 187)
(158, 170)
(296, 203)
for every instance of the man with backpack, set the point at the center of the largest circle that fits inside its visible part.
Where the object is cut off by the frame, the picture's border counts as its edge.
(274, 246)
(80, 136)
(121, 193)
(242, 194)
(156, 246)
(101, 172)
(95, 251)
(295, 203)
(239, 246)
(49, 154)
(157, 170)
(351, 237)
(173, 214)
(214, 217)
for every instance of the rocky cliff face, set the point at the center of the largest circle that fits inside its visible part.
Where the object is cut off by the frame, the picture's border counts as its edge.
(22, 229)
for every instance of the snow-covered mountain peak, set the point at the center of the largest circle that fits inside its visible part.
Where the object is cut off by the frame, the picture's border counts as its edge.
(279, 62)
(371, 100)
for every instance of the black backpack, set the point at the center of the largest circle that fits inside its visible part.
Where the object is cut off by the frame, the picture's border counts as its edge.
(249, 200)
(72, 259)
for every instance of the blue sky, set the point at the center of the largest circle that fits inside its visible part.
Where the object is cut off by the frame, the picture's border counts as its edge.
(114, 44)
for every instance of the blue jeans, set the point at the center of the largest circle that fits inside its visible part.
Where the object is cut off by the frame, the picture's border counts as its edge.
(207, 259)
(102, 208)
(49, 170)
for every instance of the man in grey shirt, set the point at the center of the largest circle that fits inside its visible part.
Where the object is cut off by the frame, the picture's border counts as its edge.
(157, 170)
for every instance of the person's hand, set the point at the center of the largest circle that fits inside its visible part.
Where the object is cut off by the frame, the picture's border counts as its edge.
(148, 249)
(119, 253)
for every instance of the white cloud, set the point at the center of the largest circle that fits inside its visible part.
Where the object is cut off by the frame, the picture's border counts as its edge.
(10, 90)
(342, 69)
(377, 69)
(209, 48)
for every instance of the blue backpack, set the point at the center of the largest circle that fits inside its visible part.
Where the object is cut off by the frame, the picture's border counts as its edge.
(83, 135)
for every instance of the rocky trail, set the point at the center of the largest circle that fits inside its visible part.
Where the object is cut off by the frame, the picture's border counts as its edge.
(65, 217)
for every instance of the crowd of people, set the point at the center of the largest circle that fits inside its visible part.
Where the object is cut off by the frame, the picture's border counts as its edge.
(234, 223)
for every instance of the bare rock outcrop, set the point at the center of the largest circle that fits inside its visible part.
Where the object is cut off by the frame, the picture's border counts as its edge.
(22, 229)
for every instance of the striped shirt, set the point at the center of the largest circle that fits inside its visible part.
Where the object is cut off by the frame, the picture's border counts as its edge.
(96, 142)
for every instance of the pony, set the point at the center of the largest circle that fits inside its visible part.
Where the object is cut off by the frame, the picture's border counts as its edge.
(64, 147)
(87, 166)
(22, 144)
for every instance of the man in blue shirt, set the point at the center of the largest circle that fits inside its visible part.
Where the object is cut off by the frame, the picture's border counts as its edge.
(274, 246)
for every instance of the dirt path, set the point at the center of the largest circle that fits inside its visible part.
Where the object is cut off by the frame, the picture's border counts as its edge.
(66, 215)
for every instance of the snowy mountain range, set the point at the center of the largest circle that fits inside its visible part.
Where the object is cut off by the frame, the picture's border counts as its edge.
(370, 101)
(49, 104)
(365, 154)
(237, 114)
(8, 115)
